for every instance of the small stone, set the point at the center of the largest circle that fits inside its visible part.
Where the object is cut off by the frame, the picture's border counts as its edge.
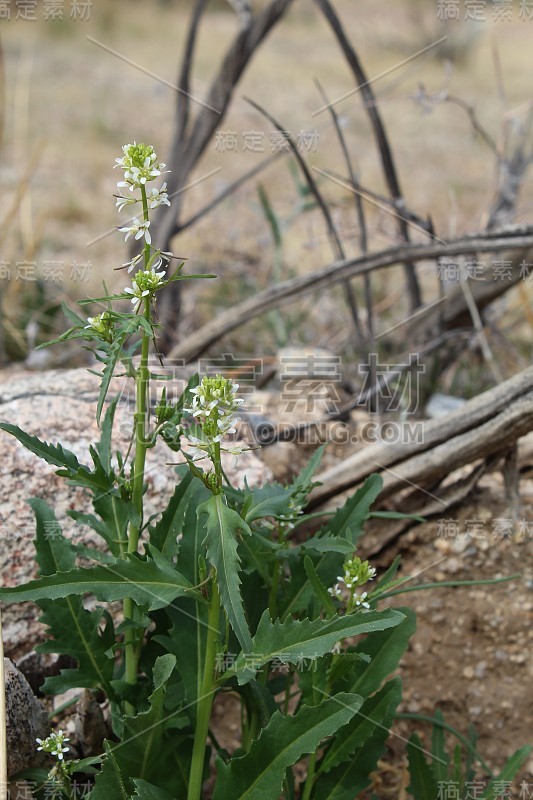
(26, 721)
(480, 669)
(469, 673)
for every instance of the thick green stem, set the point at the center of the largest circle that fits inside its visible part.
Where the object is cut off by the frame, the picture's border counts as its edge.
(133, 646)
(205, 701)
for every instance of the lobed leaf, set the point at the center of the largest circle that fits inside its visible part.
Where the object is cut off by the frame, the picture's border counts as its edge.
(223, 525)
(259, 774)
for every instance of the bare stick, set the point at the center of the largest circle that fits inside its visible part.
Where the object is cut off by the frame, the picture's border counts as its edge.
(363, 239)
(385, 151)
(183, 102)
(332, 230)
(519, 238)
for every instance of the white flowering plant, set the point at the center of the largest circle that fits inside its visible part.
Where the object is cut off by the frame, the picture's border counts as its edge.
(225, 595)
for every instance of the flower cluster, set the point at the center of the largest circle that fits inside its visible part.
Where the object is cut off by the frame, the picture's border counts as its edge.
(213, 407)
(102, 324)
(139, 163)
(145, 284)
(54, 744)
(356, 573)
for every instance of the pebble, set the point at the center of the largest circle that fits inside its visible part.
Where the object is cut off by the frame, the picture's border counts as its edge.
(468, 672)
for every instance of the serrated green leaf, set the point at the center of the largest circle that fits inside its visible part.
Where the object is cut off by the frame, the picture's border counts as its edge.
(53, 454)
(191, 545)
(110, 780)
(187, 635)
(112, 356)
(103, 447)
(385, 650)
(294, 640)
(153, 583)
(377, 712)
(147, 791)
(270, 500)
(346, 781)
(164, 535)
(348, 520)
(75, 630)
(423, 785)
(305, 477)
(259, 774)
(223, 526)
(327, 544)
(72, 317)
(438, 750)
(509, 771)
(321, 593)
(142, 753)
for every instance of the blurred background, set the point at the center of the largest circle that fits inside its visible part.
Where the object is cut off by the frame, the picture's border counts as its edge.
(79, 79)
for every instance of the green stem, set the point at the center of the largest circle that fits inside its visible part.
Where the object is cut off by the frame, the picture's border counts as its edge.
(205, 701)
(310, 779)
(133, 645)
(146, 218)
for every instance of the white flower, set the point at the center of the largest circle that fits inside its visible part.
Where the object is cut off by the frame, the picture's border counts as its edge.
(158, 197)
(145, 283)
(360, 600)
(53, 744)
(138, 228)
(126, 201)
(139, 163)
(134, 262)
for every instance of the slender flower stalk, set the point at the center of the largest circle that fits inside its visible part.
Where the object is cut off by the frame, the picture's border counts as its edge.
(140, 166)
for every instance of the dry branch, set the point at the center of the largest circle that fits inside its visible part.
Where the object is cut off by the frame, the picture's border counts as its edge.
(489, 424)
(385, 151)
(517, 238)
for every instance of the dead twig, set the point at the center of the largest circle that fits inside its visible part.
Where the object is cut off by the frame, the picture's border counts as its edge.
(385, 151)
(518, 238)
(332, 230)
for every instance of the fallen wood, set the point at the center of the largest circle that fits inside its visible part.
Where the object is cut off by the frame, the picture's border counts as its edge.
(489, 424)
(516, 238)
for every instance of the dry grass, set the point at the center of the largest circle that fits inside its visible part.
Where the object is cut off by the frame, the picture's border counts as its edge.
(83, 103)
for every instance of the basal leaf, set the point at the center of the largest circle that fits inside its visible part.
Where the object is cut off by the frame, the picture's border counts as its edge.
(259, 774)
(385, 650)
(146, 582)
(223, 526)
(346, 781)
(294, 640)
(511, 767)
(147, 791)
(141, 752)
(110, 780)
(377, 712)
(75, 631)
(423, 785)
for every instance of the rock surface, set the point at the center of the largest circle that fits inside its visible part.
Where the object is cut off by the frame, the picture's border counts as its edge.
(26, 720)
(60, 405)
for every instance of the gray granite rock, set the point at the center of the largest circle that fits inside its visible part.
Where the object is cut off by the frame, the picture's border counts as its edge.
(26, 720)
(59, 406)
